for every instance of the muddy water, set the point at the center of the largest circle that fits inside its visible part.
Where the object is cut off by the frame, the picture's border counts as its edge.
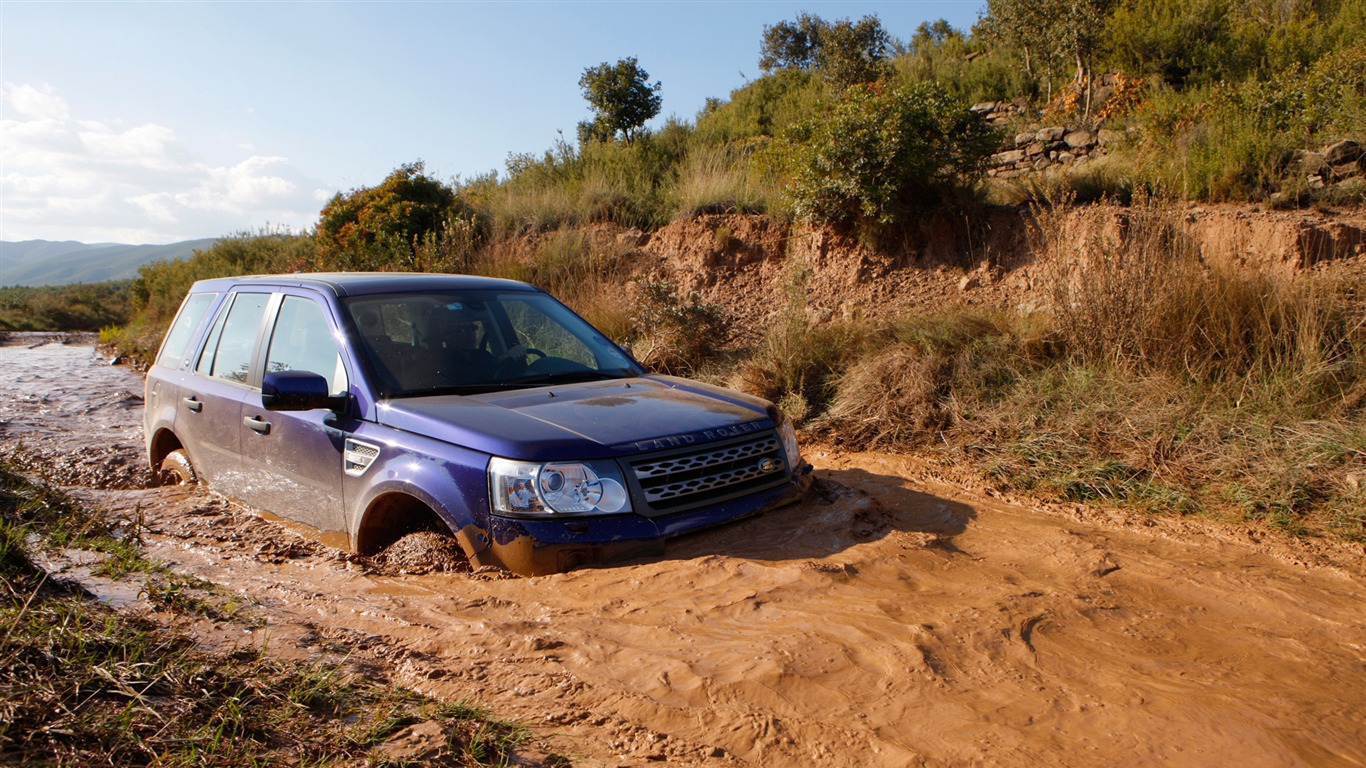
(890, 621)
(78, 418)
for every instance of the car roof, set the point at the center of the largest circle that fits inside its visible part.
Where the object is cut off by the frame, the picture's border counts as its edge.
(362, 283)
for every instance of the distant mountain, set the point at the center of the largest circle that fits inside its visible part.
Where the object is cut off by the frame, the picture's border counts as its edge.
(43, 262)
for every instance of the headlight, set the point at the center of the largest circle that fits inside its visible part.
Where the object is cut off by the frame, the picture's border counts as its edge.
(565, 488)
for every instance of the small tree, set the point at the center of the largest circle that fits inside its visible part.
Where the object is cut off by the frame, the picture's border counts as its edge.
(622, 97)
(791, 44)
(1050, 32)
(851, 53)
(845, 53)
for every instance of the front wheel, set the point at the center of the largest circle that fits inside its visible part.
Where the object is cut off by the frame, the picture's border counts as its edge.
(176, 469)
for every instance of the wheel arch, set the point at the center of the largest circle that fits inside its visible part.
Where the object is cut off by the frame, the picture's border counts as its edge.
(395, 512)
(160, 446)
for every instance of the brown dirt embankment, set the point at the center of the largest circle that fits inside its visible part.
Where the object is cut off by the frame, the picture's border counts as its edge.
(757, 267)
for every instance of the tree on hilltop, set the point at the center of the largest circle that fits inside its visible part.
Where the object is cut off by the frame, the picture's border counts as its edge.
(845, 53)
(791, 44)
(621, 96)
(1051, 33)
(851, 53)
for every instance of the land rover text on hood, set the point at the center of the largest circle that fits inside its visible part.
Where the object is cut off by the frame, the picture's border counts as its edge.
(370, 406)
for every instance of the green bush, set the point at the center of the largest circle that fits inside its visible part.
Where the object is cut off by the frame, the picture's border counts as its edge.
(880, 152)
(764, 107)
(1229, 141)
(965, 67)
(385, 226)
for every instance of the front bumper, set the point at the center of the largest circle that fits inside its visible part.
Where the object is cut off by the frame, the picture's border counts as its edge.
(542, 546)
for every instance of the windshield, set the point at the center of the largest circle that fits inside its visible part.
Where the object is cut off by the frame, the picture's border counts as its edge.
(466, 342)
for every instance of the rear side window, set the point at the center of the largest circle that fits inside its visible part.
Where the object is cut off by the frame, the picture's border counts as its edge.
(228, 354)
(173, 349)
(303, 341)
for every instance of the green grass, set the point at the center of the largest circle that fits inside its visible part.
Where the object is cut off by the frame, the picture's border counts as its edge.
(81, 684)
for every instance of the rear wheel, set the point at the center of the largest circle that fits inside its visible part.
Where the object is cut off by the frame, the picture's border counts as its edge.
(177, 470)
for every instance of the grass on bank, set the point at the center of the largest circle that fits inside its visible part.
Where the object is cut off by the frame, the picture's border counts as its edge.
(81, 684)
(1157, 380)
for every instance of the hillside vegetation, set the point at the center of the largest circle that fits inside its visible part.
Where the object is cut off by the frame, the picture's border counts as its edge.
(1150, 377)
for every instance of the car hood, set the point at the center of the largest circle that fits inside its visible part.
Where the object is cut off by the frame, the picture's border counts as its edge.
(581, 421)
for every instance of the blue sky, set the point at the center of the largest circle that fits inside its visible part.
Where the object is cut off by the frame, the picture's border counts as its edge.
(155, 122)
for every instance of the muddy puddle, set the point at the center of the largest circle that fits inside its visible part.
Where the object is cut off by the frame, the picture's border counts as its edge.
(892, 620)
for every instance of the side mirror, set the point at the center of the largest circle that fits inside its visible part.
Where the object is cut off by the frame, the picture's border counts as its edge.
(298, 391)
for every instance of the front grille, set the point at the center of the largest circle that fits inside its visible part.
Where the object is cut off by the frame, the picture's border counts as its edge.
(696, 476)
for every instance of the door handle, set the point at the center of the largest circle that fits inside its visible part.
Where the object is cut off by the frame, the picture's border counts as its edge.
(256, 424)
(193, 404)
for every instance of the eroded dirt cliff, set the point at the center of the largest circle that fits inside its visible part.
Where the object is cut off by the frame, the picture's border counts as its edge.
(757, 268)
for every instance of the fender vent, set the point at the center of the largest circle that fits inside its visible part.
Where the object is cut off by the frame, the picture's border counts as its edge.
(358, 457)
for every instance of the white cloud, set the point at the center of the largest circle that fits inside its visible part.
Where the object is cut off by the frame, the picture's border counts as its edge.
(34, 103)
(63, 178)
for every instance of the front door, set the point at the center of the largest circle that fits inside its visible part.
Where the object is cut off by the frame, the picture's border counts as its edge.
(293, 459)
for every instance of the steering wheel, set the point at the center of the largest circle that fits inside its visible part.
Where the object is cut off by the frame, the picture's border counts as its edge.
(515, 363)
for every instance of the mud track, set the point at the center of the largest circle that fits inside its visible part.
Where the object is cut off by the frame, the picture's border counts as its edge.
(895, 619)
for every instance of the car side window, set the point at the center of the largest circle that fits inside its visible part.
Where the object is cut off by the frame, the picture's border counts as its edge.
(302, 341)
(173, 349)
(228, 353)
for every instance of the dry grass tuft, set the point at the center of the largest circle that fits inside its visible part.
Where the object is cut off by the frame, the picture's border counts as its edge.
(892, 398)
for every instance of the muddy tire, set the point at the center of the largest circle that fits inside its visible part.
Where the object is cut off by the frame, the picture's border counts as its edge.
(177, 470)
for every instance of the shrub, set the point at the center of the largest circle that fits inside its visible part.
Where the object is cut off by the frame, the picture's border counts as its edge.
(1109, 178)
(619, 182)
(921, 375)
(1228, 141)
(763, 108)
(383, 227)
(675, 333)
(964, 66)
(798, 362)
(77, 307)
(724, 180)
(879, 152)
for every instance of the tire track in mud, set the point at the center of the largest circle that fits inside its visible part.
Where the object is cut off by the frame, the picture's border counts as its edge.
(890, 620)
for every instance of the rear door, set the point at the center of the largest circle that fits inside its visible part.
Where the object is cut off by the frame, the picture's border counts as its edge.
(210, 407)
(174, 365)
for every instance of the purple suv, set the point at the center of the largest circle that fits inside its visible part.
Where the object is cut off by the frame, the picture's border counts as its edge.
(369, 406)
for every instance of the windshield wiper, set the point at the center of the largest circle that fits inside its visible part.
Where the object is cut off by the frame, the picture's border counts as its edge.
(564, 377)
(521, 382)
